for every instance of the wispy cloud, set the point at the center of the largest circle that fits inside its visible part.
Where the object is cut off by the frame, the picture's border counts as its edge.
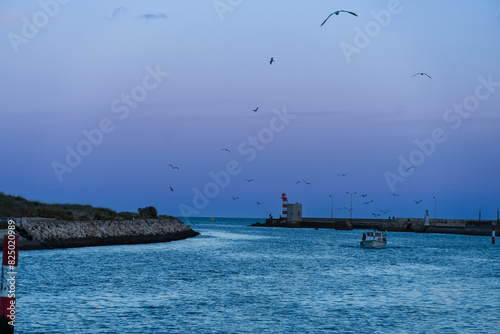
(157, 16)
(117, 12)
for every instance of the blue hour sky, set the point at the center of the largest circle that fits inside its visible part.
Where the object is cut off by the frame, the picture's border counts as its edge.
(99, 98)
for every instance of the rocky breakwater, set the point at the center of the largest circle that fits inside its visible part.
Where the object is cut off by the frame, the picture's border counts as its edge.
(67, 234)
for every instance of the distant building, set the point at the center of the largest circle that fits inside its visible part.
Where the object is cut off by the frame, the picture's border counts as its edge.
(294, 212)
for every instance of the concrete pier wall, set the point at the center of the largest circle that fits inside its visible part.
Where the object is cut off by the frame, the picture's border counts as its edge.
(447, 226)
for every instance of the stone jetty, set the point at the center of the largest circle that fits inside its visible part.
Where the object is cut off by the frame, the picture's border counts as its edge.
(47, 233)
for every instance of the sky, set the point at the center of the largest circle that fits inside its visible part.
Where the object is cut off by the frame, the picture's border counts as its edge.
(101, 100)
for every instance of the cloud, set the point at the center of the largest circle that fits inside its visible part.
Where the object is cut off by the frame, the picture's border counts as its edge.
(116, 12)
(156, 16)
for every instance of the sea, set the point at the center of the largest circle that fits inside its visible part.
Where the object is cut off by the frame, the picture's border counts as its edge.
(234, 278)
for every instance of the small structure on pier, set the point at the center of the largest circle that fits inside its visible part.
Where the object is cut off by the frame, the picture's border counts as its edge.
(294, 212)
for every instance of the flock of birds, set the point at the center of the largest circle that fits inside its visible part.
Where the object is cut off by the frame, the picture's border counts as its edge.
(271, 61)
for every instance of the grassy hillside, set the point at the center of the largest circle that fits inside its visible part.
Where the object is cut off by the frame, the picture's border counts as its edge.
(17, 206)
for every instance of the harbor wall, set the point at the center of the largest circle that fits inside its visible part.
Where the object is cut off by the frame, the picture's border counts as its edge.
(447, 226)
(48, 234)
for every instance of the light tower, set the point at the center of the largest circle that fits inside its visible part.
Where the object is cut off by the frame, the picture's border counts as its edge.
(285, 204)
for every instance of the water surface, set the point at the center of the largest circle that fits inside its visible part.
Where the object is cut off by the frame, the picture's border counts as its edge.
(239, 279)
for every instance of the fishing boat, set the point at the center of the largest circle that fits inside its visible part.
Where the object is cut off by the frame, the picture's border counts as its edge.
(374, 239)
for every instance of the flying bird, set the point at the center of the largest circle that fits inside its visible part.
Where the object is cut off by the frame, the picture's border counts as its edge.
(393, 194)
(249, 180)
(297, 182)
(258, 203)
(234, 198)
(364, 195)
(421, 73)
(171, 189)
(417, 201)
(337, 13)
(255, 110)
(173, 167)
(306, 182)
(385, 212)
(225, 149)
(343, 174)
(368, 202)
(407, 169)
(376, 214)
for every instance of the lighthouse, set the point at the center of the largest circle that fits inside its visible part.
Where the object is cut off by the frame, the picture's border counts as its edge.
(284, 207)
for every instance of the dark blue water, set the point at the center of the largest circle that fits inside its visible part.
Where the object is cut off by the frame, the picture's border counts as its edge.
(239, 279)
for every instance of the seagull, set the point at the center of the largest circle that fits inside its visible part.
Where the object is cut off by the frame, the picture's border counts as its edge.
(171, 189)
(234, 198)
(337, 13)
(393, 194)
(306, 182)
(417, 201)
(343, 174)
(258, 203)
(376, 214)
(271, 61)
(368, 202)
(249, 180)
(385, 212)
(407, 169)
(297, 182)
(421, 73)
(364, 195)
(225, 149)
(173, 167)
(255, 110)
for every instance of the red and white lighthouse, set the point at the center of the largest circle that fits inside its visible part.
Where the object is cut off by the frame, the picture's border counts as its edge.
(285, 205)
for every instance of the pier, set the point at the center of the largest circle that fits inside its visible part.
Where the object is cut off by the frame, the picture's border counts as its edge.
(447, 226)
(40, 233)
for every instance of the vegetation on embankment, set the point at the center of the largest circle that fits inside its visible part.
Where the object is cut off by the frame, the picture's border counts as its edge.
(17, 206)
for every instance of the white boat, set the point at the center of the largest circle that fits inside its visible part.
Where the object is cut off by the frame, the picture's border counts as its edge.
(374, 239)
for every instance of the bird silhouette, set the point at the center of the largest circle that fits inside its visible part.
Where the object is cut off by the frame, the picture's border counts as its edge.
(337, 13)
(364, 195)
(393, 194)
(271, 61)
(297, 182)
(385, 212)
(255, 110)
(171, 189)
(376, 214)
(249, 180)
(234, 198)
(421, 73)
(407, 169)
(306, 182)
(173, 167)
(225, 149)
(417, 201)
(258, 203)
(343, 174)
(368, 202)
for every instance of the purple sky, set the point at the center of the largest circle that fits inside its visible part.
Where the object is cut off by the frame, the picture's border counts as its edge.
(133, 87)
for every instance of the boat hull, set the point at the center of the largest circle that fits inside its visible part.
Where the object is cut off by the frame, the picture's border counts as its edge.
(373, 244)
